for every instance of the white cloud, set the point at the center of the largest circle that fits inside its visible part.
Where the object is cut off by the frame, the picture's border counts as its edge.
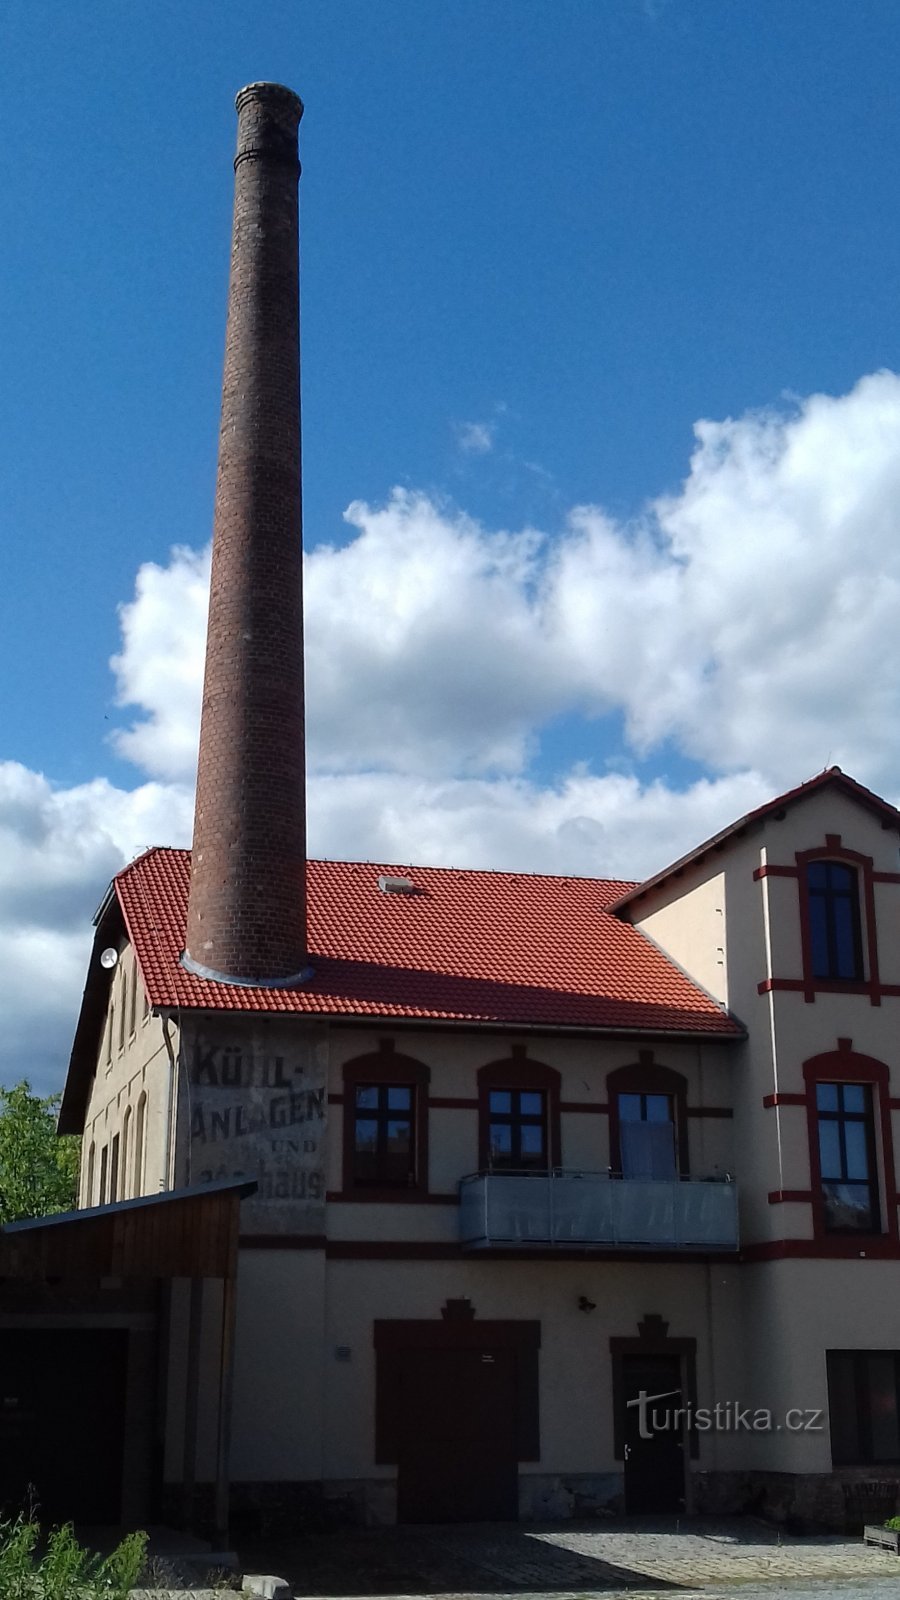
(475, 438)
(748, 620)
(58, 851)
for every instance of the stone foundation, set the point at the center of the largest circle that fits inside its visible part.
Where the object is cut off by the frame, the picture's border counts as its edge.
(841, 1502)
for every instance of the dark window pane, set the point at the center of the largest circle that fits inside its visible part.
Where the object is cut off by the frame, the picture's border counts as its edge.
(399, 1135)
(842, 879)
(817, 874)
(659, 1108)
(366, 1138)
(854, 1096)
(532, 1140)
(629, 1108)
(827, 1096)
(367, 1096)
(856, 1142)
(830, 1150)
(501, 1140)
(399, 1099)
(531, 1105)
(848, 1207)
(845, 939)
(500, 1100)
(821, 963)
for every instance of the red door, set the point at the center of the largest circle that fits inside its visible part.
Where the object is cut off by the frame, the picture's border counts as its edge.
(457, 1436)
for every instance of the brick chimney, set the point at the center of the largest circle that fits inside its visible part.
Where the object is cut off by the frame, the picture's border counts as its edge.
(247, 907)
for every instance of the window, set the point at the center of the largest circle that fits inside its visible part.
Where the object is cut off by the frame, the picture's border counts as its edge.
(384, 1134)
(518, 1115)
(517, 1129)
(132, 997)
(114, 1168)
(847, 1157)
(647, 1135)
(832, 889)
(104, 1163)
(126, 1153)
(863, 1407)
(89, 1190)
(140, 1142)
(385, 1126)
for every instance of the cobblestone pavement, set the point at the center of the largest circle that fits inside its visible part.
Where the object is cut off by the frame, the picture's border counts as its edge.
(575, 1561)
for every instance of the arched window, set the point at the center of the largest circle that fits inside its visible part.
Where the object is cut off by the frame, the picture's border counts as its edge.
(132, 995)
(518, 1103)
(385, 1125)
(126, 1154)
(832, 894)
(89, 1186)
(140, 1143)
(647, 1120)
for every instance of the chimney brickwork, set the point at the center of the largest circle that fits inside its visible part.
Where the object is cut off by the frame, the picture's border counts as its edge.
(247, 907)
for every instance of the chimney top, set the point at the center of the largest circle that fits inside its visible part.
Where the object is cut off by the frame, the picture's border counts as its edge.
(274, 93)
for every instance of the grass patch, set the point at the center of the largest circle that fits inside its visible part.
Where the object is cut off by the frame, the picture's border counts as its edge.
(57, 1567)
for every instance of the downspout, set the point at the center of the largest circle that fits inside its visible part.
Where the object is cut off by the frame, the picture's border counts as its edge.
(171, 1098)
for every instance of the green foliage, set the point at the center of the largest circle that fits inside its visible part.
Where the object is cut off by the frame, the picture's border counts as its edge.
(64, 1570)
(893, 1523)
(38, 1171)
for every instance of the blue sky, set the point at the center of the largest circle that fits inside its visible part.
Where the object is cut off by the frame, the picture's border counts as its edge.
(541, 242)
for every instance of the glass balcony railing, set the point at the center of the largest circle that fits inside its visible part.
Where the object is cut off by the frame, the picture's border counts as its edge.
(580, 1209)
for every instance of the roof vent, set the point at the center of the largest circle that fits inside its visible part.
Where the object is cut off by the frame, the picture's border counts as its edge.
(396, 885)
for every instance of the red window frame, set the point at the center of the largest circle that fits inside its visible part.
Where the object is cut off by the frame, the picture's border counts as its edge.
(648, 1077)
(519, 1073)
(845, 1065)
(386, 1067)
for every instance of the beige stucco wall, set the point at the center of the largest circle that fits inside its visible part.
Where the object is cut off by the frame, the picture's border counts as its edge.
(133, 1066)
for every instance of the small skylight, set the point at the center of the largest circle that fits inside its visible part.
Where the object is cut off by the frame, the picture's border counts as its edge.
(396, 885)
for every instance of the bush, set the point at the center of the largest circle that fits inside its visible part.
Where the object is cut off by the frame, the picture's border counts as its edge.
(893, 1523)
(63, 1569)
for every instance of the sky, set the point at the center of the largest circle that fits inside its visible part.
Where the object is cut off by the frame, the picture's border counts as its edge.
(601, 430)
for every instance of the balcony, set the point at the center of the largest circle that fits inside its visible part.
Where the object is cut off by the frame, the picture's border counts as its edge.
(581, 1210)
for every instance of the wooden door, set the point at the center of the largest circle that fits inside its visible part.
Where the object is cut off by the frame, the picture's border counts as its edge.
(654, 1435)
(457, 1436)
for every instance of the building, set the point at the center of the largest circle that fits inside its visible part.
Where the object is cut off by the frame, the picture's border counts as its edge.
(525, 1149)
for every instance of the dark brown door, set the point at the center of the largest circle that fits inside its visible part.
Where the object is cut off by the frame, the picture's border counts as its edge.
(654, 1435)
(457, 1437)
(62, 1422)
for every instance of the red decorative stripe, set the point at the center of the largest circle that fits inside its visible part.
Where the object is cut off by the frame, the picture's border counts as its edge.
(783, 1099)
(282, 1241)
(412, 1250)
(390, 1197)
(449, 1102)
(886, 877)
(771, 871)
(882, 1248)
(586, 1107)
(780, 1197)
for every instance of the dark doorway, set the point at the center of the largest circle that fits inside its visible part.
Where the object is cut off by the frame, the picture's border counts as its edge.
(457, 1456)
(652, 1396)
(62, 1422)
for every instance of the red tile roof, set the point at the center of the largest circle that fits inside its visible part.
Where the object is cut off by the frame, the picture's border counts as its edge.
(483, 947)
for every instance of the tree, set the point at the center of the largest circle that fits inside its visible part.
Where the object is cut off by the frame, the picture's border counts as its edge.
(38, 1170)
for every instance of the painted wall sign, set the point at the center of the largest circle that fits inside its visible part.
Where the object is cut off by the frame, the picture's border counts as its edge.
(255, 1105)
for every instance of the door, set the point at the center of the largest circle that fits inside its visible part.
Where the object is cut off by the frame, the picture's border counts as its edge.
(62, 1422)
(654, 1435)
(457, 1456)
